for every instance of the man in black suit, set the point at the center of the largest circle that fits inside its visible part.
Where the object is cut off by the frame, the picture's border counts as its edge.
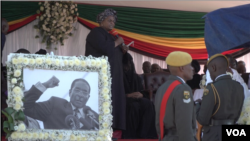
(58, 113)
(222, 100)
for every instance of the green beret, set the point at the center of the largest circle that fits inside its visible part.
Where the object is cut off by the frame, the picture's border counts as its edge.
(178, 58)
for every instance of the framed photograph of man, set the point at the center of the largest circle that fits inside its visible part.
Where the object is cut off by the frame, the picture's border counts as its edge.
(59, 97)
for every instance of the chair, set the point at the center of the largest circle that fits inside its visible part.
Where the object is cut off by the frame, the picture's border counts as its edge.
(153, 81)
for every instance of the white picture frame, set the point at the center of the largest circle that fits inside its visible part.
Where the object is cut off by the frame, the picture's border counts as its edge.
(22, 68)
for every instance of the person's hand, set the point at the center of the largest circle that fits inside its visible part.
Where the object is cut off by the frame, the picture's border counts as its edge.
(51, 83)
(198, 101)
(135, 95)
(119, 41)
(124, 48)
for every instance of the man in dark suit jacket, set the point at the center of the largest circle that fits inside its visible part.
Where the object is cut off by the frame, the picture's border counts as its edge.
(179, 120)
(222, 100)
(58, 113)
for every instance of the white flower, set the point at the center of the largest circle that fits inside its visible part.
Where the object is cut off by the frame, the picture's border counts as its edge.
(72, 11)
(41, 135)
(13, 80)
(35, 135)
(20, 60)
(65, 62)
(71, 62)
(54, 21)
(66, 6)
(56, 15)
(72, 137)
(41, 18)
(48, 61)
(103, 61)
(83, 63)
(104, 71)
(93, 63)
(106, 131)
(105, 104)
(60, 5)
(32, 61)
(57, 62)
(14, 135)
(57, 4)
(105, 124)
(17, 73)
(17, 106)
(76, 9)
(15, 128)
(105, 90)
(99, 139)
(46, 135)
(106, 96)
(106, 111)
(21, 127)
(105, 83)
(39, 61)
(39, 3)
(77, 14)
(98, 63)
(18, 99)
(101, 132)
(41, 8)
(15, 61)
(26, 61)
(104, 77)
(17, 90)
(77, 62)
(60, 137)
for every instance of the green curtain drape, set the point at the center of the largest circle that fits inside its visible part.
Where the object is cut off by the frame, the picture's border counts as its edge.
(14, 10)
(154, 22)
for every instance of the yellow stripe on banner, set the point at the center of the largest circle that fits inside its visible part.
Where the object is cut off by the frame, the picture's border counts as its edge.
(182, 43)
(18, 21)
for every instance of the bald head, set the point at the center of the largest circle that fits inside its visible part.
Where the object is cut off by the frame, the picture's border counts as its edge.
(217, 66)
(155, 68)
(5, 26)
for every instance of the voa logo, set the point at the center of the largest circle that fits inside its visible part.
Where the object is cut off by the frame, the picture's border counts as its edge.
(236, 132)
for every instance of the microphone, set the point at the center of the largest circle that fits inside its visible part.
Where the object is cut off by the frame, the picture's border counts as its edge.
(115, 33)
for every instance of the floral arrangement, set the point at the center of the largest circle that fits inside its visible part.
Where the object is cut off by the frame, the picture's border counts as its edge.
(16, 129)
(203, 82)
(56, 21)
(245, 113)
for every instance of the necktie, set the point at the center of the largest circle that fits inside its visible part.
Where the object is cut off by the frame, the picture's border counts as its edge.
(77, 115)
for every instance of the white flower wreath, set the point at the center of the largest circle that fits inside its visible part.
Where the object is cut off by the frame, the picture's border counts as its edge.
(56, 21)
(15, 64)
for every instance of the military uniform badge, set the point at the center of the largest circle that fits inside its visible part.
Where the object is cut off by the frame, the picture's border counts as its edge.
(186, 95)
(206, 91)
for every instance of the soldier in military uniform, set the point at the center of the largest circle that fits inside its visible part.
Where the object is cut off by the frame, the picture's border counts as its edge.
(175, 113)
(222, 100)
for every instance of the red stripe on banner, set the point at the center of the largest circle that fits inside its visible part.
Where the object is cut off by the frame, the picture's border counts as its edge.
(164, 105)
(18, 25)
(159, 50)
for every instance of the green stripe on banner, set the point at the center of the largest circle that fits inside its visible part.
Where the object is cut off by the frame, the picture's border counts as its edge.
(154, 22)
(14, 10)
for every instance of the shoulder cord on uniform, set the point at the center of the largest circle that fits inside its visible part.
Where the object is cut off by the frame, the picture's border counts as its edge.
(216, 93)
